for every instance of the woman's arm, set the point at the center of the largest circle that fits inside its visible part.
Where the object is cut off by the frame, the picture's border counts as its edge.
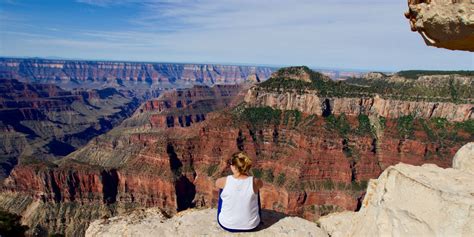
(220, 182)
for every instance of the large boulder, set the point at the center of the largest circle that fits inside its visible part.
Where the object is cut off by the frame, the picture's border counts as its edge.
(464, 158)
(411, 200)
(443, 23)
(152, 222)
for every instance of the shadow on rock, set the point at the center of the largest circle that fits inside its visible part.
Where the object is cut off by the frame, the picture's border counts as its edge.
(269, 217)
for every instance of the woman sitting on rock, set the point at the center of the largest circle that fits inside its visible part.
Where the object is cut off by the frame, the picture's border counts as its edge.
(238, 209)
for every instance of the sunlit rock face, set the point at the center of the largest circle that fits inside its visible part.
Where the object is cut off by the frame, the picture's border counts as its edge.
(411, 200)
(443, 23)
(152, 222)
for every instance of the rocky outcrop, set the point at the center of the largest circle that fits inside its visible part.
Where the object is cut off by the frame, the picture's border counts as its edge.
(443, 23)
(464, 158)
(120, 72)
(152, 222)
(408, 200)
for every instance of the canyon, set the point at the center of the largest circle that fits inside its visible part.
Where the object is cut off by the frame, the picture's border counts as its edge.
(315, 144)
(45, 122)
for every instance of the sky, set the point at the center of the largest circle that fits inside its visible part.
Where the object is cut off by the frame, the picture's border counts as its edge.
(347, 34)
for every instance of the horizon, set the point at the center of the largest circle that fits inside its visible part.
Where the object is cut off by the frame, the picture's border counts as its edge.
(322, 34)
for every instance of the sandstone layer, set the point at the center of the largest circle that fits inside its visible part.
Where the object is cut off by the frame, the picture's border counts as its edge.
(312, 103)
(443, 23)
(151, 222)
(412, 201)
(420, 94)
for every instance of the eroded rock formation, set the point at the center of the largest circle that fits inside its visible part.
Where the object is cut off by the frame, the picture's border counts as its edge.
(183, 107)
(409, 200)
(43, 121)
(443, 23)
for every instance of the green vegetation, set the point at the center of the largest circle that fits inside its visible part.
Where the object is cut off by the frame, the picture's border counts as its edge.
(467, 126)
(405, 126)
(294, 115)
(383, 122)
(10, 224)
(268, 175)
(414, 74)
(364, 125)
(338, 124)
(261, 116)
(281, 179)
(265, 116)
(442, 131)
(257, 173)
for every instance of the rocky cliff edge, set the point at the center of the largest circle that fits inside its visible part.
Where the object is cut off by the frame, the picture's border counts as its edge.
(151, 222)
(414, 201)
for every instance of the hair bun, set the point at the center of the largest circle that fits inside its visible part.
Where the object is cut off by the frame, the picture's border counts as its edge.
(242, 162)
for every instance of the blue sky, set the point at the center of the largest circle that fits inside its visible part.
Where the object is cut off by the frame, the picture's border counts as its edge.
(371, 34)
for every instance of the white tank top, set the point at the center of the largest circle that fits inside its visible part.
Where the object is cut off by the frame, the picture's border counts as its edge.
(239, 208)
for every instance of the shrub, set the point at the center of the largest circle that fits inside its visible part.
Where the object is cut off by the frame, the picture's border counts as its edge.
(281, 179)
(339, 124)
(364, 125)
(268, 176)
(257, 173)
(405, 126)
(261, 115)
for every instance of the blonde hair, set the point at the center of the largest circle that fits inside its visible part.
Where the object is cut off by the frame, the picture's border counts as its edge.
(242, 162)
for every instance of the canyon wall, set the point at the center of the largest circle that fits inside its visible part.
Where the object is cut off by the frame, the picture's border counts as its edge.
(43, 121)
(119, 72)
(312, 103)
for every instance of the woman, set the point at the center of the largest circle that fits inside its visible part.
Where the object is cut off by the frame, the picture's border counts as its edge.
(239, 205)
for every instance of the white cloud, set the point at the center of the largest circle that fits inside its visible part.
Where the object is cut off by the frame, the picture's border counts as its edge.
(330, 33)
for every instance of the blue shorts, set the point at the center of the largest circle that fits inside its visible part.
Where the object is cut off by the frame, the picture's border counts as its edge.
(219, 206)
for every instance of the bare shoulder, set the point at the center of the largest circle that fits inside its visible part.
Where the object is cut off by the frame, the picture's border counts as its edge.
(220, 182)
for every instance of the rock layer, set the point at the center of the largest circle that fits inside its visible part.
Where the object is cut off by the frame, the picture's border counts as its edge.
(312, 103)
